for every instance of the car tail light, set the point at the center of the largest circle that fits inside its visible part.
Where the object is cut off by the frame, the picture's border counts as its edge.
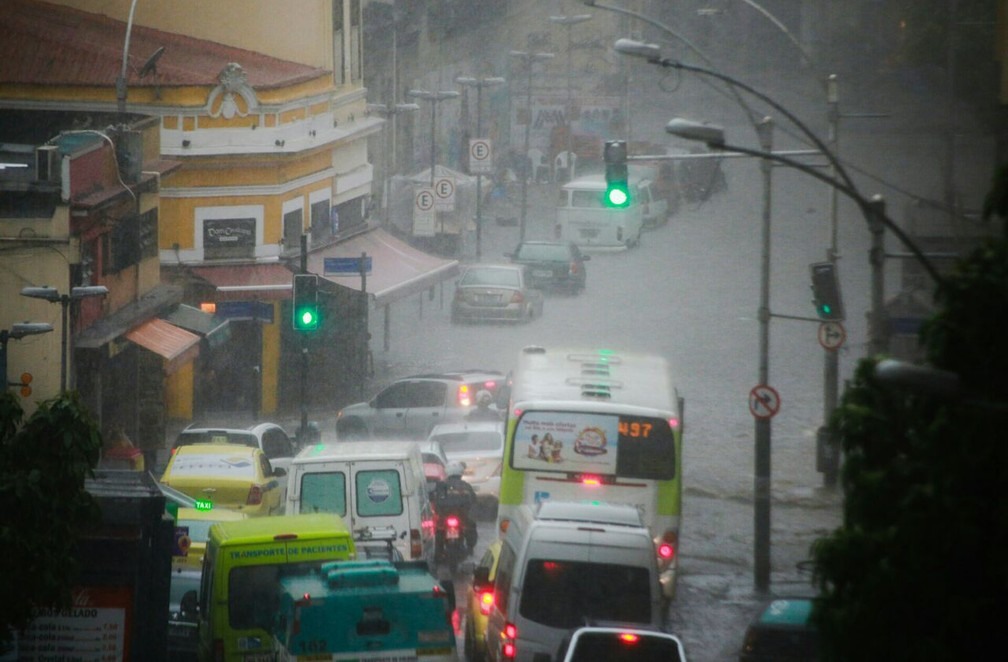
(590, 480)
(486, 601)
(452, 521)
(464, 396)
(508, 649)
(517, 297)
(415, 546)
(628, 638)
(666, 548)
(573, 268)
(255, 496)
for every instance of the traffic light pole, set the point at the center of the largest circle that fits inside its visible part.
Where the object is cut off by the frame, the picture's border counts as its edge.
(762, 432)
(303, 430)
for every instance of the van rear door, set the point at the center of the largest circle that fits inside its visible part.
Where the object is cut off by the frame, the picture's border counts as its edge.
(377, 501)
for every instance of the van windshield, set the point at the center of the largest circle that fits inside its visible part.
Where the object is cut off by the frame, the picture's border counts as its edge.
(562, 594)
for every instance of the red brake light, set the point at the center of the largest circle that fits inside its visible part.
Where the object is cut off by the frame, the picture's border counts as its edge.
(255, 496)
(666, 548)
(452, 521)
(666, 551)
(508, 651)
(464, 397)
(517, 297)
(673, 423)
(629, 638)
(510, 631)
(591, 481)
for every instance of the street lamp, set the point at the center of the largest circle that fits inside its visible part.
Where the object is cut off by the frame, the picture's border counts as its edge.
(390, 159)
(528, 60)
(569, 22)
(52, 295)
(435, 98)
(18, 331)
(479, 84)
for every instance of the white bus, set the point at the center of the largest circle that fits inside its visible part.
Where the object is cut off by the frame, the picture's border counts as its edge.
(599, 426)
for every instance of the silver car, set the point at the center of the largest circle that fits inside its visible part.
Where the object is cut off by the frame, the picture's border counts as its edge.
(496, 293)
(479, 446)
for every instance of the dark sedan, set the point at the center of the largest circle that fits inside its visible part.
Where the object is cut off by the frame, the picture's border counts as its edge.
(558, 265)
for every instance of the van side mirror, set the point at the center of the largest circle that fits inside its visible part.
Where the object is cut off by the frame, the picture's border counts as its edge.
(279, 472)
(188, 603)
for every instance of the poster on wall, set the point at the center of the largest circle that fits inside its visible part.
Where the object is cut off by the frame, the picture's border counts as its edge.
(566, 441)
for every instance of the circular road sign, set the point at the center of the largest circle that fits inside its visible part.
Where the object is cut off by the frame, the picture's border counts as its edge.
(764, 401)
(424, 199)
(832, 335)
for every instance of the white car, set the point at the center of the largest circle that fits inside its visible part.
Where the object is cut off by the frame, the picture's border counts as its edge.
(479, 446)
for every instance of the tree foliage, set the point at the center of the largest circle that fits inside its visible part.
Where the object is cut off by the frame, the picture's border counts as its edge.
(918, 569)
(44, 461)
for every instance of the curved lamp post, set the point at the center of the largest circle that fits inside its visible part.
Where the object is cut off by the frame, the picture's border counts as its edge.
(52, 295)
(479, 84)
(528, 60)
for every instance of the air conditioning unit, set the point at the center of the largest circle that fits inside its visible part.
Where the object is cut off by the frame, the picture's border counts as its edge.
(47, 163)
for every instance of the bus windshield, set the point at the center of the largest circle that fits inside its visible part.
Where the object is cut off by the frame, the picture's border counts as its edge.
(623, 445)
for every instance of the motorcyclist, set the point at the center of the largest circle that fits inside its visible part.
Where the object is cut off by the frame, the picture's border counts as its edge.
(454, 495)
(482, 410)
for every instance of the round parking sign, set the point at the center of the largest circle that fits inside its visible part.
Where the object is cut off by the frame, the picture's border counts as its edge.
(378, 490)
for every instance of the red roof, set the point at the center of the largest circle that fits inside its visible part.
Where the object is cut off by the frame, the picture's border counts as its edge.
(46, 44)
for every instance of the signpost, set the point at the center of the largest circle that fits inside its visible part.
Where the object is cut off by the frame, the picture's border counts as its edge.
(480, 156)
(423, 212)
(764, 401)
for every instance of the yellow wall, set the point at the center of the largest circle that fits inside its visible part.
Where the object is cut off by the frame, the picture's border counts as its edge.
(178, 393)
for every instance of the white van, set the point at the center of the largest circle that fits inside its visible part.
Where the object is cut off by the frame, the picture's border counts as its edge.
(583, 218)
(377, 487)
(563, 562)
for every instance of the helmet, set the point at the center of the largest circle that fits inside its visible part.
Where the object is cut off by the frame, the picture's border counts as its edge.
(484, 398)
(453, 470)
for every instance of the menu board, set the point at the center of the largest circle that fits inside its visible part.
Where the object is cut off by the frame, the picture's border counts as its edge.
(93, 629)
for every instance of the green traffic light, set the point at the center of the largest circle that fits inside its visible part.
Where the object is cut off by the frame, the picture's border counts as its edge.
(617, 196)
(307, 319)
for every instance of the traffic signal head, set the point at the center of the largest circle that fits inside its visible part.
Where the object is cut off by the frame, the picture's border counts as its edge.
(306, 307)
(617, 193)
(826, 291)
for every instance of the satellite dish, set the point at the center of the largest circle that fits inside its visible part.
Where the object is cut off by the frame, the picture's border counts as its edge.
(150, 66)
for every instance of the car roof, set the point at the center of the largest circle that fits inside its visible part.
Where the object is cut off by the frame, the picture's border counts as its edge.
(254, 428)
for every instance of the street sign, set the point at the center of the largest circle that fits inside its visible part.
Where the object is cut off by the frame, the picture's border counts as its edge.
(764, 401)
(423, 212)
(444, 194)
(480, 156)
(346, 266)
(832, 335)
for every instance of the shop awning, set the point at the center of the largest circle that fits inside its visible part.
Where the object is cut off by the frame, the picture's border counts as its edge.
(215, 329)
(397, 269)
(248, 281)
(175, 345)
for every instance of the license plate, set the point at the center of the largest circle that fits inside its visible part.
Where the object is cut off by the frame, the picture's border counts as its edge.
(258, 657)
(542, 273)
(452, 534)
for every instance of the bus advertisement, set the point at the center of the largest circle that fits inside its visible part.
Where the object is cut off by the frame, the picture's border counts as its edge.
(597, 426)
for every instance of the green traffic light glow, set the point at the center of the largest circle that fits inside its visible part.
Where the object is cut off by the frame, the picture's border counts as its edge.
(306, 318)
(617, 196)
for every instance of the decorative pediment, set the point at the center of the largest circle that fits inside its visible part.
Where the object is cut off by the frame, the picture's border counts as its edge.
(233, 95)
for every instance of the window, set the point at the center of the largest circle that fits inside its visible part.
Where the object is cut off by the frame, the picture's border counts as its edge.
(324, 493)
(277, 444)
(427, 394)
(378, 493)
(586, 199)
(394, 397)
(322, 226)
(293, 226)
(562, 594)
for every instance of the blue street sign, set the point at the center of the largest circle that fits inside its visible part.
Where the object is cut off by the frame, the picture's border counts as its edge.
(345, 265)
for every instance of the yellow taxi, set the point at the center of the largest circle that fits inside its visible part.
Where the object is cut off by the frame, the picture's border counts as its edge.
(228, 476)
(480, 600)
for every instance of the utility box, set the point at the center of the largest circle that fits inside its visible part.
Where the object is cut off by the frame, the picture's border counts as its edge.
(120, 600)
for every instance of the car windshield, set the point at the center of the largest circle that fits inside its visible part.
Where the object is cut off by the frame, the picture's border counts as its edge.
(492, 277)
(543, 252)
(471, 440)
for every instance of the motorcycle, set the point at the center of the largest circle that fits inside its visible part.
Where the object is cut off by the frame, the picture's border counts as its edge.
(450, 540)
